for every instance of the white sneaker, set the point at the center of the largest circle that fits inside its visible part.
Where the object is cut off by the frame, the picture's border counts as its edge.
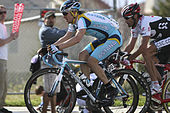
(155, 91)
(85, 80)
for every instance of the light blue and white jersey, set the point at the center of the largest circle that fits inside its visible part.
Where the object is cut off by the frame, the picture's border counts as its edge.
(96, 25)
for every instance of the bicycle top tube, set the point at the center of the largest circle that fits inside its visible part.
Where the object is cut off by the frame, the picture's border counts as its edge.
(57, 62)
(166, 66)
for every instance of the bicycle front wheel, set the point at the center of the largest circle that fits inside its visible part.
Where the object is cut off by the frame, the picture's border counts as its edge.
(166, 95)
(65, 97)
(125, 103)
(143, 102)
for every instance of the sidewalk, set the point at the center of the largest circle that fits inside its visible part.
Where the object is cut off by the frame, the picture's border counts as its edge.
(24, 110)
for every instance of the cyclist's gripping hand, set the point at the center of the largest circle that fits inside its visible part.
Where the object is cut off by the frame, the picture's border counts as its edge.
(52, 48)
(123, 56)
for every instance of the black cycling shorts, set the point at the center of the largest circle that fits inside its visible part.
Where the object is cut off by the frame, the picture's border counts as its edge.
(164, 54)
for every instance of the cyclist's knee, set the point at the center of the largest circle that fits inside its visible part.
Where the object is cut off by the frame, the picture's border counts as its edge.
(92, 61)
(83, 55)
(146, 54)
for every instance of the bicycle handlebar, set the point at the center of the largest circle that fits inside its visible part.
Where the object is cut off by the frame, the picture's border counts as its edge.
(54, 58)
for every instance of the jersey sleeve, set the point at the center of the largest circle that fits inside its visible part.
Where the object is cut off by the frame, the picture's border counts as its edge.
(71, 28)
(134, 33)
(82, 24)
(145, 28)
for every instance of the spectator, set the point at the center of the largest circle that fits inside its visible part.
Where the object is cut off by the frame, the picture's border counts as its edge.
(40, 91)
(48, 34)
(4, 40)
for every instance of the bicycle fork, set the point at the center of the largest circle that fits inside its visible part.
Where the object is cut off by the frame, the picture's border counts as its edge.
(56, 83)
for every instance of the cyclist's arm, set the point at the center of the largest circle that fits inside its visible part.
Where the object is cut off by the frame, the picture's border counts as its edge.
(131, 45)
(74, 40)
(141, 49)
(67, 36)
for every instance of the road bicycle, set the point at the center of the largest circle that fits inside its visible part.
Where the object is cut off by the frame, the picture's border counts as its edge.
(160, 100)
(123, 80)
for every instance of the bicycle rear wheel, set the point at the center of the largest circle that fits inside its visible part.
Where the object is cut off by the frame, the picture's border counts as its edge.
(166, 95)
(66, 98)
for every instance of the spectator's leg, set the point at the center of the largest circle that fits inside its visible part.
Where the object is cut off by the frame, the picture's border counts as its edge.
(46, 102)
(53, 103)
(3, 82)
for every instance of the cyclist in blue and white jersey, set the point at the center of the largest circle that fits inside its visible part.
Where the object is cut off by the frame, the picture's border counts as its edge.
(103, 28)
(154, 28)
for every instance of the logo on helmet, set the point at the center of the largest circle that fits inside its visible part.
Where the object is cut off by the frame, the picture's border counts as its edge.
(70, 5)
(130, 10)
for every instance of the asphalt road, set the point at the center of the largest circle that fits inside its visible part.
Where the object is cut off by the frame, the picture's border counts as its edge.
(24, 110)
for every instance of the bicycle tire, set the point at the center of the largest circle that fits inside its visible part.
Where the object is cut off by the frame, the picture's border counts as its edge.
(143, 83)
(37, 77)
(131, 88)
(166, 94)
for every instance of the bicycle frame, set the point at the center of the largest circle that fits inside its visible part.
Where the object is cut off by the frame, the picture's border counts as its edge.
(62, 66)
(121, 90)
(65, 64)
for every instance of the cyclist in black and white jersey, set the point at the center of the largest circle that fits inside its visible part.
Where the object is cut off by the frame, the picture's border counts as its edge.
(154, 28)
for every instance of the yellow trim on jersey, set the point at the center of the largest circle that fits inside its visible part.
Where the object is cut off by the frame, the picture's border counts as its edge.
(114, 39)
(82, 15)
(100, 44)
(92, 47)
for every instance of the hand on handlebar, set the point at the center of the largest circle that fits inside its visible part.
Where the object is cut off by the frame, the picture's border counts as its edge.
(124, 58)
(125, 62)
(52, 48)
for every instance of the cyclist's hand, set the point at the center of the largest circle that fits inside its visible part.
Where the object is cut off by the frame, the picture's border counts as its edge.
(52, 48)
(125, 62)
(39, 51)
(42, 51)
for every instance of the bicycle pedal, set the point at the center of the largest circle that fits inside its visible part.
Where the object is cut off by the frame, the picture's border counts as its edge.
(106, 102)
(81, 93)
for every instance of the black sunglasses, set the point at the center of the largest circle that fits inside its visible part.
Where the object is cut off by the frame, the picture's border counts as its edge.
(64, 13)
(126, 18)
(2, 12)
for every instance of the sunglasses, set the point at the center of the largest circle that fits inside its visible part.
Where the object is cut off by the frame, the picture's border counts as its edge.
(64, 13)
(2, 12)
(126, 18)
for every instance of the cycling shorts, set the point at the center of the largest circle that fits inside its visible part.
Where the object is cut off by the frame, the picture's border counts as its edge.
(101, 49)
(162, 43)
(163, 54)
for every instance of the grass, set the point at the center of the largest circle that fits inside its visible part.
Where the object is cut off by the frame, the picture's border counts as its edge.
(15, 100)
(18, 100)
